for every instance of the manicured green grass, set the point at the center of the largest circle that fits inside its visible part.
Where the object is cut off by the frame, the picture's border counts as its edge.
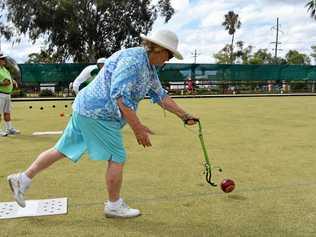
(267, 145)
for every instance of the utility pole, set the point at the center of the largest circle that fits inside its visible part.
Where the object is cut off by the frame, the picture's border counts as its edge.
(277, 28)
(276, 40)
(195, 55)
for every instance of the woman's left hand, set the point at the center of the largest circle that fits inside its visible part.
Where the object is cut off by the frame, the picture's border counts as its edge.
(189, 119)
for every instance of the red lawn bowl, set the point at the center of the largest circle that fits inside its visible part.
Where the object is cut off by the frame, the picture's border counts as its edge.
(227, 185)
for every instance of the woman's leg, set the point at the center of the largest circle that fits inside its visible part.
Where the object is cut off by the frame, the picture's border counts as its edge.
(20, 182)
(43, 161)
(114, 178)
(116, 207)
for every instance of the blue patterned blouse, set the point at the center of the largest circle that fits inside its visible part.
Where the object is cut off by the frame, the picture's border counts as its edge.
(126, 74)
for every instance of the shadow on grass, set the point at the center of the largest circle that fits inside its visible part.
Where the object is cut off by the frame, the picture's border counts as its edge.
(237, 197)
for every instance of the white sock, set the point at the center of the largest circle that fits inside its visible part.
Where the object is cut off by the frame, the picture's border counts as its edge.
(8, 125)
(116, 204)
(25, 181)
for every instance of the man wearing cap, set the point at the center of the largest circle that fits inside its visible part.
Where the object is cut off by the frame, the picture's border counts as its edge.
(6, 87)
(102, 109)
(87, 75)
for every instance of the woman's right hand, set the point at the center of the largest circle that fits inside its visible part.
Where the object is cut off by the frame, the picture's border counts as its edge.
(142, 135)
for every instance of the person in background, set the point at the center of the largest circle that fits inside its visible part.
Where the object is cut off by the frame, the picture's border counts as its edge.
(101, 110)
(87, 75)
(189, 85)
(6, 88)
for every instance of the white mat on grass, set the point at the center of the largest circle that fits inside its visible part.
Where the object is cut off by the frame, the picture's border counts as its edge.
(44, 207)
(47, 133)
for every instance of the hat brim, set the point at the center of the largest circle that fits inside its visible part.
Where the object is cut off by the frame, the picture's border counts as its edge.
(175, 52)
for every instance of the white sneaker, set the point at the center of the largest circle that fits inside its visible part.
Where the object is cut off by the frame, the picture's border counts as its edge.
(3, 134)
(16, 188)
(12, 131)
(123, 211)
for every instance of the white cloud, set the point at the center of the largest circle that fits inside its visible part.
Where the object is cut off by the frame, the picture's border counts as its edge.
(179, 4)
(20, 51)
(258, 17)
(198, 24)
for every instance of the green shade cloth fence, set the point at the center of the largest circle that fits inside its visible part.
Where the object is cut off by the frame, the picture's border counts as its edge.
(59, 74)
(63, 74)
(223, 72)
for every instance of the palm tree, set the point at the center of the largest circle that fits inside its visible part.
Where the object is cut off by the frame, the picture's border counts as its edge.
(311, 6)
(231, 23)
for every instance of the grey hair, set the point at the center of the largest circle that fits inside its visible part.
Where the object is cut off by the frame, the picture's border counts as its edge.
(151, 47)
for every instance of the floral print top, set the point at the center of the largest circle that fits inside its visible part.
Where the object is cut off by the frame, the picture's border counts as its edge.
(127, 74)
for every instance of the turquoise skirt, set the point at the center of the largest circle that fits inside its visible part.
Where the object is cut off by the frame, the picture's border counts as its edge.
(101, 139)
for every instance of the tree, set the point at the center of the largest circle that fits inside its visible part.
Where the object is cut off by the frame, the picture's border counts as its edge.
(85, 29)
(223, 56)
(243, 54)
(295, 57)
(279, 60)
(231, 23)
(43, 57)
(262, 56)
(311, 7)
(5, 31)
(313, 54)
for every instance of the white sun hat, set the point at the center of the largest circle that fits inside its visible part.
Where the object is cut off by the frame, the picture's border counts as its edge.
(101, 60)
(166, 39)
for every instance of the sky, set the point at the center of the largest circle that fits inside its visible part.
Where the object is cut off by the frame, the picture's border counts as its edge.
(198, 24)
